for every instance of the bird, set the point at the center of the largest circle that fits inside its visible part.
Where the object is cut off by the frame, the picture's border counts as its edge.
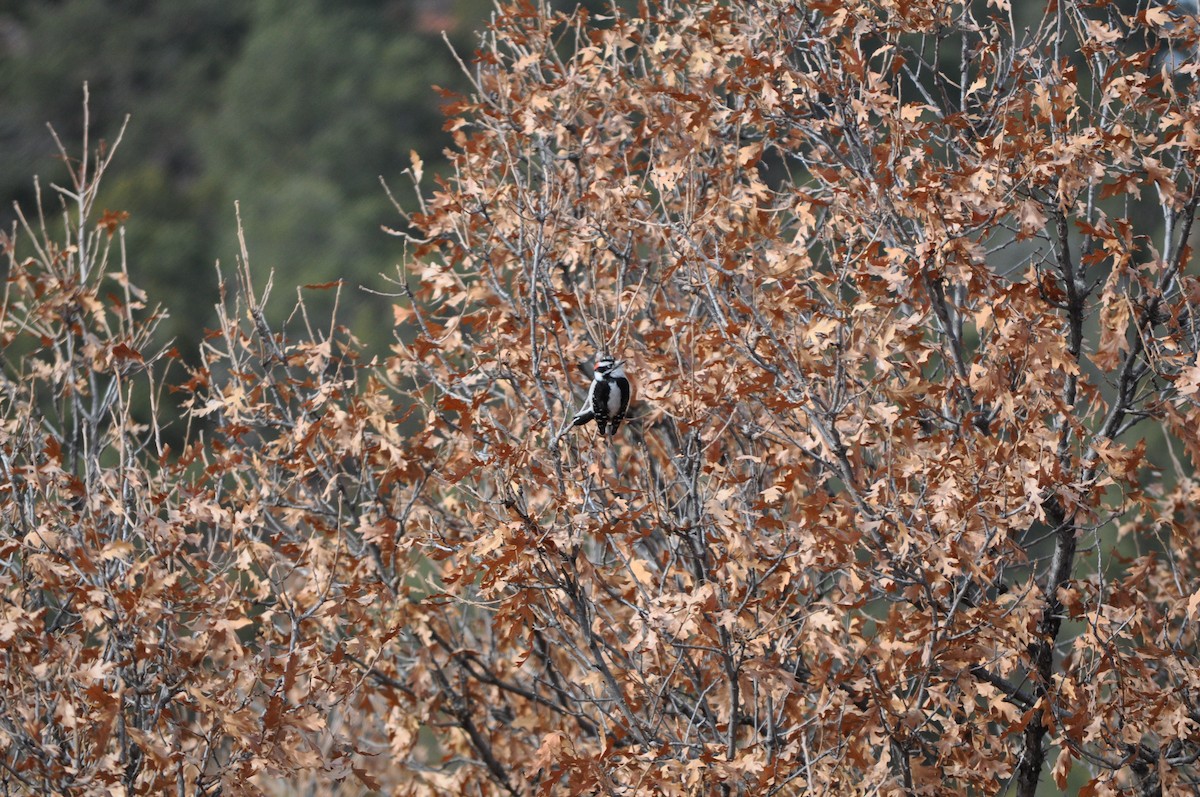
(608, 396)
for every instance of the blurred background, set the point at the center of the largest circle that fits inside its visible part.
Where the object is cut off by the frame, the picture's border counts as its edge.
(295, 108)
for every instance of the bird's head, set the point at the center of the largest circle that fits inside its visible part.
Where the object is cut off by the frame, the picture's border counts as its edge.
(609, 366)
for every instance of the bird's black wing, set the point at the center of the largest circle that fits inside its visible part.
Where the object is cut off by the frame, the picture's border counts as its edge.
(622, 385)
(600, 394)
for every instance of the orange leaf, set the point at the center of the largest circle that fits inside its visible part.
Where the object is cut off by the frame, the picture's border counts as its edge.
(123, 352)
(111, 220)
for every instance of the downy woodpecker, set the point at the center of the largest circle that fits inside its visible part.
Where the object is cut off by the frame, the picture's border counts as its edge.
(608, 396)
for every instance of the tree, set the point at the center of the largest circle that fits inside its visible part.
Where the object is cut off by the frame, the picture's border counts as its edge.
(907, 503)
(909, 289)
(163, 629)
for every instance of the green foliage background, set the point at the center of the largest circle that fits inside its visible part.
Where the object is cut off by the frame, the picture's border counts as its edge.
(295, 108)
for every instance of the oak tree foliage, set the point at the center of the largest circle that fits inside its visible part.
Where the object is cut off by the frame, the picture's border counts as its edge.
(906, 503)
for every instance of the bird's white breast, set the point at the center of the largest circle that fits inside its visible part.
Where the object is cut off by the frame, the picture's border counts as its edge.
(614, 399)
